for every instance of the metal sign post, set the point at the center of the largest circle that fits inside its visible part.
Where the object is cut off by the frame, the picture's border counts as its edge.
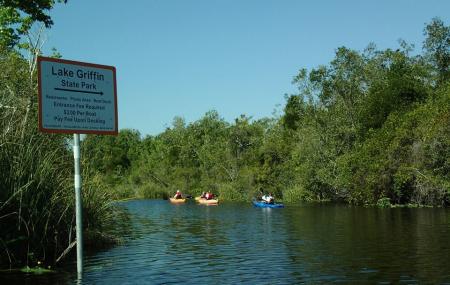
(77, 98)
(78, 203)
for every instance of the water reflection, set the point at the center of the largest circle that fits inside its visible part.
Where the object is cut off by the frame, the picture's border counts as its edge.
(351, 244)
(238, 244)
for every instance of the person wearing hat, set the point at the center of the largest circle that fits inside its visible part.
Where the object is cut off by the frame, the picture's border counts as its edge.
(178, 195)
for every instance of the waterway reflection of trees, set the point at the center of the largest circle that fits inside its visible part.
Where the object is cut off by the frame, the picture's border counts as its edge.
(379, 244)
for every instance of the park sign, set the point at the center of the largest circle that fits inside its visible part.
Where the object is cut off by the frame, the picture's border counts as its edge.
(77, 97)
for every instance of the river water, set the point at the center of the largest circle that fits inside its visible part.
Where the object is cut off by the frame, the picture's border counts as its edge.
(235, 243)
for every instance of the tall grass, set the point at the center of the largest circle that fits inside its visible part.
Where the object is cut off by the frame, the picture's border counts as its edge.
(34, 191)
(37, 217)
(37, 198)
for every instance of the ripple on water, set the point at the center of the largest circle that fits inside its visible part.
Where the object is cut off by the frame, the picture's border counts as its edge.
(239, 244)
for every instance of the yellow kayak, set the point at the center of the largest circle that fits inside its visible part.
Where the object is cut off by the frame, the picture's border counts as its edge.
(177, 201)
(207, 202)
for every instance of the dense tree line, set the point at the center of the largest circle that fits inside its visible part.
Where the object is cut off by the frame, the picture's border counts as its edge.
(369, 127)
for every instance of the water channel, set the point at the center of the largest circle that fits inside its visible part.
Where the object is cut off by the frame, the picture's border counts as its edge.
(235, 243)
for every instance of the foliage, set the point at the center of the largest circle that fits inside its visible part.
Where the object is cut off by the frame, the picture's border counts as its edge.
(369, 128)
(384, 202)
(437, 47)
(36, 176)
(17, 18)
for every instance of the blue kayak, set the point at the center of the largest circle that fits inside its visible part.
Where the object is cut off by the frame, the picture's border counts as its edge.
(261, 204)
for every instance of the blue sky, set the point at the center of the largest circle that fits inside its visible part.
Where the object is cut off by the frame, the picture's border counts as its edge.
(186, 57)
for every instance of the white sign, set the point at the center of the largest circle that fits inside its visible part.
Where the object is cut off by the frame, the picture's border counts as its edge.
(77, 97)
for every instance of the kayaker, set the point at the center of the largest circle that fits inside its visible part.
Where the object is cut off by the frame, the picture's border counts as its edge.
(271, 199)
(203, 195)
(268, 199)
(264, 198)
(178, 195)
(209, 196)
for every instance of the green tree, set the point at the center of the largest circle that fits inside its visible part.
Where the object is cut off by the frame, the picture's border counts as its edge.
(293, 112)
(395, 82)
(437, 47)
(17, 17)
(369, 127)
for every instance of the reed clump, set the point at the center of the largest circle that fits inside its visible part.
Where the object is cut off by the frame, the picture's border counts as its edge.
(37, 220)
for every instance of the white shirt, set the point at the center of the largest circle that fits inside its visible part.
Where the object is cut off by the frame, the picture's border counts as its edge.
(267, 198)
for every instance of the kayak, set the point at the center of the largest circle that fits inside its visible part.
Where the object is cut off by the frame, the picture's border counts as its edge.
(177, 201)
(207, 202)
(261, 204)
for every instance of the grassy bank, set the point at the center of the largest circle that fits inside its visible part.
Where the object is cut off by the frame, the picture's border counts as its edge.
(37, 217)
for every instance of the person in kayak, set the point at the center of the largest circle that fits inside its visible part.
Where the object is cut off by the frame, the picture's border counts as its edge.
(268, 199)
(178, 195)
(209, 196)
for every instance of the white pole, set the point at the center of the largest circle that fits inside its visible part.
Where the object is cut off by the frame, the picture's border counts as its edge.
(78, 203)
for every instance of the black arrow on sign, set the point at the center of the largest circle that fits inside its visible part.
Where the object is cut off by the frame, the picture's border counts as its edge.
(79, 91)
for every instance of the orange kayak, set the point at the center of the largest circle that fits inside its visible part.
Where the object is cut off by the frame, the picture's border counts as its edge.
(207, 202)
(177, 201)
